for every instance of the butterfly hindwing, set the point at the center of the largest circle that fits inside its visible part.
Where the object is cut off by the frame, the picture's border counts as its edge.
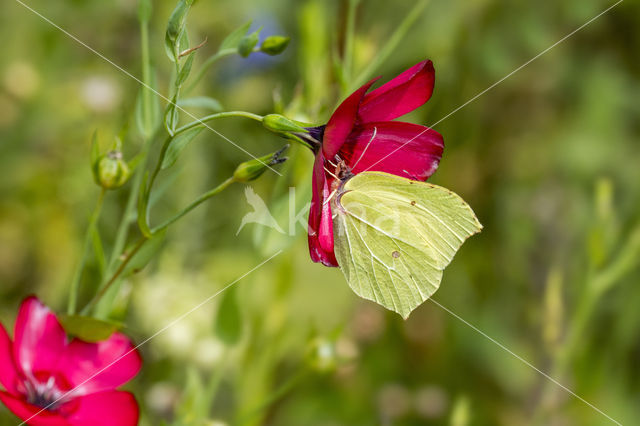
(395, 236)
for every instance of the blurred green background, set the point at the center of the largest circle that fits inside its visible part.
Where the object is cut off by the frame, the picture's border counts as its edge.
(549, 160)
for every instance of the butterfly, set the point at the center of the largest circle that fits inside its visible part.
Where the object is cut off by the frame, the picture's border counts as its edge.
(395, 236)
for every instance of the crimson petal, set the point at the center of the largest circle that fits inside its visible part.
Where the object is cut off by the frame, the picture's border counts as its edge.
(399, 96)
(112, 408)
(403, 149)
(24, 410)
(39, 339)
(114, 362)
(342, 121)
(319, 230)
(8, 373)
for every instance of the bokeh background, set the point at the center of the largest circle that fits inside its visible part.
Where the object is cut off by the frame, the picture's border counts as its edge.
(549, 159)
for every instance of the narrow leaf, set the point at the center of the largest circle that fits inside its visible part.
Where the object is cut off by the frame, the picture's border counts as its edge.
(177, 145)
(228, 326)
(232, 41)
(185, 70)
(145, 254)
(203, 102)
(143, 199)
(171, 116)
(175, 28)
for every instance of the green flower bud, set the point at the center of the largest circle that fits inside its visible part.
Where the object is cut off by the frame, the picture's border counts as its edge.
(281, 124)
(250, 170)
(274, 45)
(110, 171)
(247, 43)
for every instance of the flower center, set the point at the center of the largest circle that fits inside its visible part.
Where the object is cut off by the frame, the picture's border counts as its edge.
(45, 392)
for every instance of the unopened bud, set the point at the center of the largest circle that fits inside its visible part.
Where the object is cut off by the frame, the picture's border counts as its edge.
(247, 43)
(250, 170)
(111, 171)
(274, 45)
(281, 124)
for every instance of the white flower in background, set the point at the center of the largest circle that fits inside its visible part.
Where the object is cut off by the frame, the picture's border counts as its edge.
(21, 79)
(100, 93)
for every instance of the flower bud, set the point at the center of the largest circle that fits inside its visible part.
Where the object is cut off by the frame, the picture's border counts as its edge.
(247, 43)
(250, 170)
(110, 171)
(274, 45)
(281, 124)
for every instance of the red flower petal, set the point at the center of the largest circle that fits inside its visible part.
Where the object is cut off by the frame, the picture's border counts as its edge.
(320, 231)
(403, 149)
(399, 96)
(8, 372)
(116, 355)
(342, 121)
(24, 410)
(113, 408)
(38, 339)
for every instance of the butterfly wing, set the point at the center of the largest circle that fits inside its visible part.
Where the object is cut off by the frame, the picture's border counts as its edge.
(395, 236)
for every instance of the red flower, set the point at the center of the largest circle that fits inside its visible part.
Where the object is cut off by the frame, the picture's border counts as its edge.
(48, 379)
(360, 134)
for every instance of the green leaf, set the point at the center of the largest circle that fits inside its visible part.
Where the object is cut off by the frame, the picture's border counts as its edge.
(177, 144)
(88, 329)
(248, 42)
(394, 237)
(228, 326)
(232, 41)
(143, 199)
(185, 70)
(175, 28)
(145, 254)
(172, 115)
(203, 102)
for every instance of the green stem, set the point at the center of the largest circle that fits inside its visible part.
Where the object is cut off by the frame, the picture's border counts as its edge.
(391, 45)
(207, 64)
(125, 221)
(200, 122)
(75, 282)
(146, 73)
(212, 117)
(347, 58)
(204, 197)
(105, 287)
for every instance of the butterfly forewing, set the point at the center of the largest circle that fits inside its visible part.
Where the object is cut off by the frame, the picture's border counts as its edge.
(395, 236)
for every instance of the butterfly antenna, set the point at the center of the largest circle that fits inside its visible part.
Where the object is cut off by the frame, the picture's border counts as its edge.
(375, 131)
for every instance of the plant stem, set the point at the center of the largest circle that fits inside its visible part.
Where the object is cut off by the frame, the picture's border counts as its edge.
(195, 204)
(75, 282)
(347, 54)
(114, 277)
(212, 117)
(169, 139)
(207, 64)
(390, 46)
